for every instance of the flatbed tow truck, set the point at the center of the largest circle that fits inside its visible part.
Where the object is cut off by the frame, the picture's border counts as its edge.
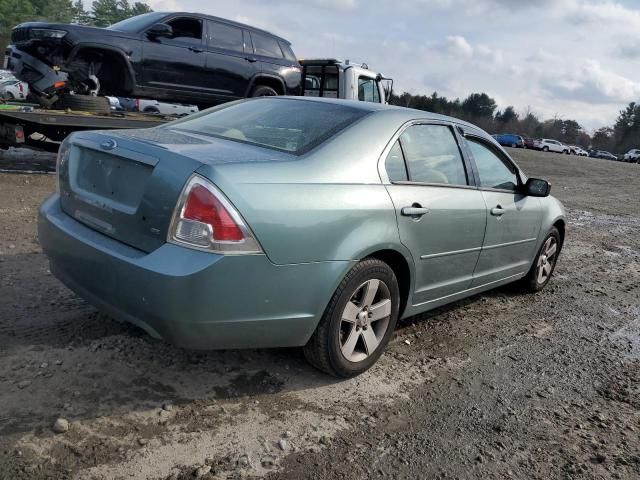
(29, 126)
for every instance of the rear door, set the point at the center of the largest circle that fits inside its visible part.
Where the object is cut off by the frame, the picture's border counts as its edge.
(229, 62)
(268, 52)
(513, 219)
(178, 62)
(441, 215)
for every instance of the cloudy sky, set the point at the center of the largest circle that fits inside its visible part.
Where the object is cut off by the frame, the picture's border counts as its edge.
(571, 58)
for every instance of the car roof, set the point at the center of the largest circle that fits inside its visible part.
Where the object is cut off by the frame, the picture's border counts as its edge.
(409, 113)
(229, 22)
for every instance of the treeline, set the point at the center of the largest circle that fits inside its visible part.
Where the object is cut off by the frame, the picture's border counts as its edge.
(482, 110)
(101, 14)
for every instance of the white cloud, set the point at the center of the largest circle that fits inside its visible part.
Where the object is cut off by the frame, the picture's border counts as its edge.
(458, 45)
(593, 84)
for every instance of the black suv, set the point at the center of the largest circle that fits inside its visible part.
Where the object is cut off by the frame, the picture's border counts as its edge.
(178, 57)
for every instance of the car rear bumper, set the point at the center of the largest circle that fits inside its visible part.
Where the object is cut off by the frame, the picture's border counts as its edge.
(193, 299)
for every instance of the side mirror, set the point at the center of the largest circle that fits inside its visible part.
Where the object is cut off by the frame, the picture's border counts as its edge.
(160, 30)
(536, 187)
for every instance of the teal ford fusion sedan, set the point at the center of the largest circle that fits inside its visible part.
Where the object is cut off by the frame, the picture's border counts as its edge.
(278, 222)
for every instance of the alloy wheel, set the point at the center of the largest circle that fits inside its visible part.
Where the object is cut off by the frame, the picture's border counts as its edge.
(365, 320)
(546, 260)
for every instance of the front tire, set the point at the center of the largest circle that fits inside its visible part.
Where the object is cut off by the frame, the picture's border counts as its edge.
(358, 322)
(544, 263)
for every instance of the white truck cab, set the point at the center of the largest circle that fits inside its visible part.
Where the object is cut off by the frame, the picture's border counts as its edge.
(332, 78)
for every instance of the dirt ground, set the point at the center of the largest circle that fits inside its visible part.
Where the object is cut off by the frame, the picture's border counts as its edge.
(502, 385)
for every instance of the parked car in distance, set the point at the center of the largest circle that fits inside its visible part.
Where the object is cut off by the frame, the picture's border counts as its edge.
(510, 140)
(548, 145)
(177, 57)
(632, 156)
(602, 154)
(576, 150)
(528, 142)
(13, 89)
(6, 75)
(161, 226)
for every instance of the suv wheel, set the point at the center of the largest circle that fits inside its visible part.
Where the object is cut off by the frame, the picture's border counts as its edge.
(358, 322)
(545, 149)
(263, 91)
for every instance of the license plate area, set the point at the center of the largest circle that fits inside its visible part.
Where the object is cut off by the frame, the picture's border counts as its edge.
(108, 181)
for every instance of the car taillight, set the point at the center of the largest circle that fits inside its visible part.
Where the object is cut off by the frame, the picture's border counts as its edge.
(61, 160)
(204, 219)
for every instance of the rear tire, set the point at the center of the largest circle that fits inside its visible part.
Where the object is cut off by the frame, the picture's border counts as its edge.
(10, 96)
(358, 322)
(263, 91)
(545, 149)
(544, 264)
(84, 103)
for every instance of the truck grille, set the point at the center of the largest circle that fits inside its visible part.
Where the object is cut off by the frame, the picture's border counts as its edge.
(19, 35)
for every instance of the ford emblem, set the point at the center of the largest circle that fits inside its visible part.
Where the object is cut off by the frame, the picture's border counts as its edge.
(109, 144)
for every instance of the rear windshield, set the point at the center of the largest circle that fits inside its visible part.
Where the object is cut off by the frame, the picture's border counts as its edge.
(294, 126)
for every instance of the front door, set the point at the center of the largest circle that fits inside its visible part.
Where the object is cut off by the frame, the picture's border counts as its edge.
(177, 63)
(441, 218)
(513, 219)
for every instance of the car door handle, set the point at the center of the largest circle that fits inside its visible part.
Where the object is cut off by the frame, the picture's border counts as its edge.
(414, 211)
(251, 59)
(196, 50)
(498, 211)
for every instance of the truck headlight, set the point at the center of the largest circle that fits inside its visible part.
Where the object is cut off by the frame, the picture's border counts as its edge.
(47, 33)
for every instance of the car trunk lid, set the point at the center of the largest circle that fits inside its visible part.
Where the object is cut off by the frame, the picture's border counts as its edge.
(123, 188)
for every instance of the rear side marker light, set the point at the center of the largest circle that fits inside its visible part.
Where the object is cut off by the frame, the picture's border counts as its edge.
(205, 220)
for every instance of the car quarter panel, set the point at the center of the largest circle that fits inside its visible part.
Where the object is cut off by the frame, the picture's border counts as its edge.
(329, 205)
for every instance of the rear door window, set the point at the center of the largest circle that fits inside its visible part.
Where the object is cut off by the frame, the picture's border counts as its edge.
(394, 164)
(226, 37)
(266, 46)
(288, 53)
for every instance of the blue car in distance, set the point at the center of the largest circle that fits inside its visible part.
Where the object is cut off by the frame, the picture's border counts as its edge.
(510, 140)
